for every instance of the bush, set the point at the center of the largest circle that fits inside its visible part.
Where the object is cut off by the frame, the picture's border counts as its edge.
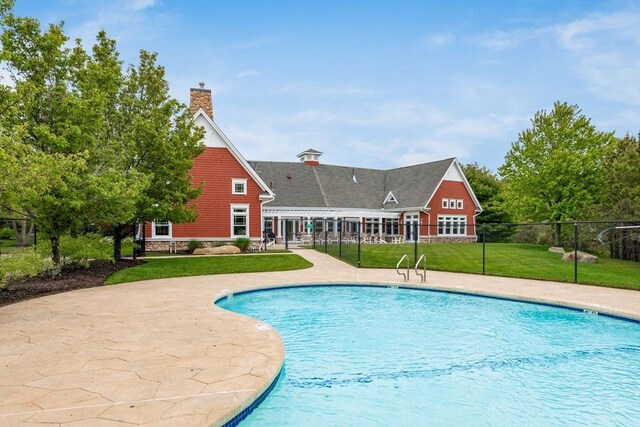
(6, 233)
(79, 250)
(242, 243)
(22, 264)
(193, 245)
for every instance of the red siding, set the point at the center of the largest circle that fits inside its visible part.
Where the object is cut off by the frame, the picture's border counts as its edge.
(451, 190)
(217, 167)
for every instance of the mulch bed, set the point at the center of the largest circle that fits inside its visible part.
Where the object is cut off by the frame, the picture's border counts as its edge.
(72, 278)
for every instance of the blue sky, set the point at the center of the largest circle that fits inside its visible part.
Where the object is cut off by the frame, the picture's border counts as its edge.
(379, 83)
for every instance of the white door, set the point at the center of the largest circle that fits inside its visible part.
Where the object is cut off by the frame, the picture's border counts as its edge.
(410, 221)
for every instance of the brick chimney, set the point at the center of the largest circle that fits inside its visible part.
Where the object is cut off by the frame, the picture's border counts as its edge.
(310, 157)
(201, 98)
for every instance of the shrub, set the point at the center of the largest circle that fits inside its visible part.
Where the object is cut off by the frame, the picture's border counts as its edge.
(79, 250)
(193, 245)
(6, 233)
(22, 264)
(242, 243)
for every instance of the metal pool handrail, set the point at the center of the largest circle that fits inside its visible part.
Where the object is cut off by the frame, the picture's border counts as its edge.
(423, 275)
(406, 275)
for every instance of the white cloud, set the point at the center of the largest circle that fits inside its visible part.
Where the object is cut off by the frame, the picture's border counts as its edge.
(439, 40)
(141, 4)
(606, 50)
(501, 40)
(248, 73)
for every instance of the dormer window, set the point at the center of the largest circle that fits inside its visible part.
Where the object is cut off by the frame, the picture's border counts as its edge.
(238, 186)
(390, 199)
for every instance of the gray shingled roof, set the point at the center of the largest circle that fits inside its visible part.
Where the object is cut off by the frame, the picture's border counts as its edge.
(296, 184)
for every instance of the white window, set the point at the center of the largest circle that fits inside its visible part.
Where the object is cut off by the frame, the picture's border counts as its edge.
(392, 227)
(452, 225)
(238, 186)
(371, 226)
(160, 229)
(459, 204)
(445, 203)
(239, 220)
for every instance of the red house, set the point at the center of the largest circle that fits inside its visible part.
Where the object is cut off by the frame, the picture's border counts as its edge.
(230, 205)
(428, 202)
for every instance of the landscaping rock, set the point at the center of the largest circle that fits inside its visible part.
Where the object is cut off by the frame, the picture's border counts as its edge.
(556, 250)
(218, 250)
(582, 257)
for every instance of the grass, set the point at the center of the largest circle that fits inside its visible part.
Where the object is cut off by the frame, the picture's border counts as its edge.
(8, 246)
(504, 259)
(195, 266)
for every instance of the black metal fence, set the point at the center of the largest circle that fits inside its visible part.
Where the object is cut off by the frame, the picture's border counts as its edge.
(16, 233)
(554, 251)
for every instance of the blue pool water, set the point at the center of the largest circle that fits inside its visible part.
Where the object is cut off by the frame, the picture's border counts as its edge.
(367, 356)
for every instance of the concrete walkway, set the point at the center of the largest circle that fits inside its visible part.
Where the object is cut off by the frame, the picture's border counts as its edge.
(160, 353)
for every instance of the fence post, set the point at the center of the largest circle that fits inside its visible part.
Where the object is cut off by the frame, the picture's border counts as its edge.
(326, 234)
(484, 238)
(416, 238)
(286, 239)
(575, 252)
(134, 240)
(359, 227)
(340, 225)
(35, 236)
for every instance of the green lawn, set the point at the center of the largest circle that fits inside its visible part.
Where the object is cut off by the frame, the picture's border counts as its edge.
(159, 268)
(505, 259)
(8, 246)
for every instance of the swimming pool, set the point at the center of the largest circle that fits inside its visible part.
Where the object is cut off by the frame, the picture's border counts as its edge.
(359, 356)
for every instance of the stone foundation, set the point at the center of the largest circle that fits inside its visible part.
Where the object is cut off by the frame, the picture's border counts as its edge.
(448, 239)
(176, 246)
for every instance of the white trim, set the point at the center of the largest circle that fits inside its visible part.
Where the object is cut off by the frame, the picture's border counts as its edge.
(455, 163)
(162, 236)
(248, 225)
(458, 219)
(234, 151)
(390, 198)
(319, 212)
(445, 203)
(235, 181)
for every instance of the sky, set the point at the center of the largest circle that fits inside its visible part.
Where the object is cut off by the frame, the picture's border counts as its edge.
(379, 84)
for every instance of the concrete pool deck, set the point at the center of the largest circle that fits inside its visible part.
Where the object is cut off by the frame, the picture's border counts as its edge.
(160, 353)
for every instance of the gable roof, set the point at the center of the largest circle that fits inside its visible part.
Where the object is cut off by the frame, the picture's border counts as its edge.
(267, 193)
(328, 186)
(414, 185)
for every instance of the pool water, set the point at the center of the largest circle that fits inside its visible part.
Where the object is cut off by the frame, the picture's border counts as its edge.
(378, 356)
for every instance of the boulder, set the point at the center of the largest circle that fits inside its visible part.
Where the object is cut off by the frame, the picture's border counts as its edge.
(556, 250)
(218, 250)
(582, 257)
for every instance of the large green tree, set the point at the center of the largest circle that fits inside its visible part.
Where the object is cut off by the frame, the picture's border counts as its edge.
(553, 171)
(488, 189)
(160, 141)
(621, 196)
(86, 142)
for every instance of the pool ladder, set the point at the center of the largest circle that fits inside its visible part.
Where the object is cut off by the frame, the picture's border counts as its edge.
(422, 274)
(406, 275)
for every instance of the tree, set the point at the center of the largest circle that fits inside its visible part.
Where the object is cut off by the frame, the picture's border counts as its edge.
(161, 142)
(488, 189)
(621, 196)
(553, 172)
(59, 117)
